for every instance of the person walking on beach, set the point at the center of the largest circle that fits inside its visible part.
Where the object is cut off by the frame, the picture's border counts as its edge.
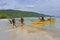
(13, 22)
(22, 21)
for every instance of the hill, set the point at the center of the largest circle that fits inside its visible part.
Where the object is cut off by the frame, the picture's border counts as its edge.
(16, 13)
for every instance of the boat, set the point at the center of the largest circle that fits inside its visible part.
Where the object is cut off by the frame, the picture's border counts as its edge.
(42, 23)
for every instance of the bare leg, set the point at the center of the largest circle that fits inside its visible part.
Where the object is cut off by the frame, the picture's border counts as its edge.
(14, 25)
(22, 23)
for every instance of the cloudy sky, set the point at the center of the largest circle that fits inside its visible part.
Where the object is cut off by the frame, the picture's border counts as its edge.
(49, 7)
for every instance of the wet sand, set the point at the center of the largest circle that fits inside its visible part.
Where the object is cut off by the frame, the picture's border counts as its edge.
(26, 33)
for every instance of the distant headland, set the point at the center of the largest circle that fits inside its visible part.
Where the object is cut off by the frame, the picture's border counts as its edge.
(17, 14)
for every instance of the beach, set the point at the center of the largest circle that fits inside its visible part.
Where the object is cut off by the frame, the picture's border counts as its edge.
(26, 32)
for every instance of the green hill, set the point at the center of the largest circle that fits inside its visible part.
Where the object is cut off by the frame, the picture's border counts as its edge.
(17, 13)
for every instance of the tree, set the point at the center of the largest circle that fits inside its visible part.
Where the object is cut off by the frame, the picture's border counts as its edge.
(2, 16)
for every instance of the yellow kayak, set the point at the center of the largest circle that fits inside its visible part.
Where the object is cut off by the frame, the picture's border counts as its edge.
(51, 21)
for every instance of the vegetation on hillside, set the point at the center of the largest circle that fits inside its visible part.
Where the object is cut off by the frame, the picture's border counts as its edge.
(3, 16)
(17, 13)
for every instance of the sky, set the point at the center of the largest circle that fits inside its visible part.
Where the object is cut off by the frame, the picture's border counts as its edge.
(49, 7)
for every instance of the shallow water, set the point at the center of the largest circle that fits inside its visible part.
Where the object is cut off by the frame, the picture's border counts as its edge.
(29, 32)
(28, 21)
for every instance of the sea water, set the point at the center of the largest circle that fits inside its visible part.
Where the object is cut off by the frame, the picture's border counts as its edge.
(29, 21)
(5, 26)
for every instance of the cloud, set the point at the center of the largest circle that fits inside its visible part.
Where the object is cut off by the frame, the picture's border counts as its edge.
(30, 6)
(50, 7)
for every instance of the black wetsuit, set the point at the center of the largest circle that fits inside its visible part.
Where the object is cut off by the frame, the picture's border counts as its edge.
(10, 21)
(22, 20)
(13, 21)
(42, 19)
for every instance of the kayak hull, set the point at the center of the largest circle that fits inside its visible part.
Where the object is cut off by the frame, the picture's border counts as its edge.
(42, 23)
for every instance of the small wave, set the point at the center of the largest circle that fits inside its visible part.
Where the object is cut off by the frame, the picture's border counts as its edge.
(7, 30)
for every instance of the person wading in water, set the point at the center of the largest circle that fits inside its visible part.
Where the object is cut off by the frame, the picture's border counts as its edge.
(13, 22)
(22, 21)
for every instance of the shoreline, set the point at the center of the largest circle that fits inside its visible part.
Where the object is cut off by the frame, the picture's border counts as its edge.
(3, 19)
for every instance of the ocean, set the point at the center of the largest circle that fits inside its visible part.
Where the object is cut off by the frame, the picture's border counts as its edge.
(6, 32)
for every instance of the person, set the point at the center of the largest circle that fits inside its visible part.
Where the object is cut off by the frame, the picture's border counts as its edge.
(10, 21)
(22, 21)
(13, 22)
(42, 18)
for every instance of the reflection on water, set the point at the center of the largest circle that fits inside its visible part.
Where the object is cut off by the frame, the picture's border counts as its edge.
(31, 29)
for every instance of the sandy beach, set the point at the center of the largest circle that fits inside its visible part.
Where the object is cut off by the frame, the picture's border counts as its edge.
(3, 19)
(25, 33)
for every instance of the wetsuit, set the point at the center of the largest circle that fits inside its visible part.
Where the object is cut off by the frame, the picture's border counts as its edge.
(10, 21)
(42, 19)
(13, 21)
(22, 20)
